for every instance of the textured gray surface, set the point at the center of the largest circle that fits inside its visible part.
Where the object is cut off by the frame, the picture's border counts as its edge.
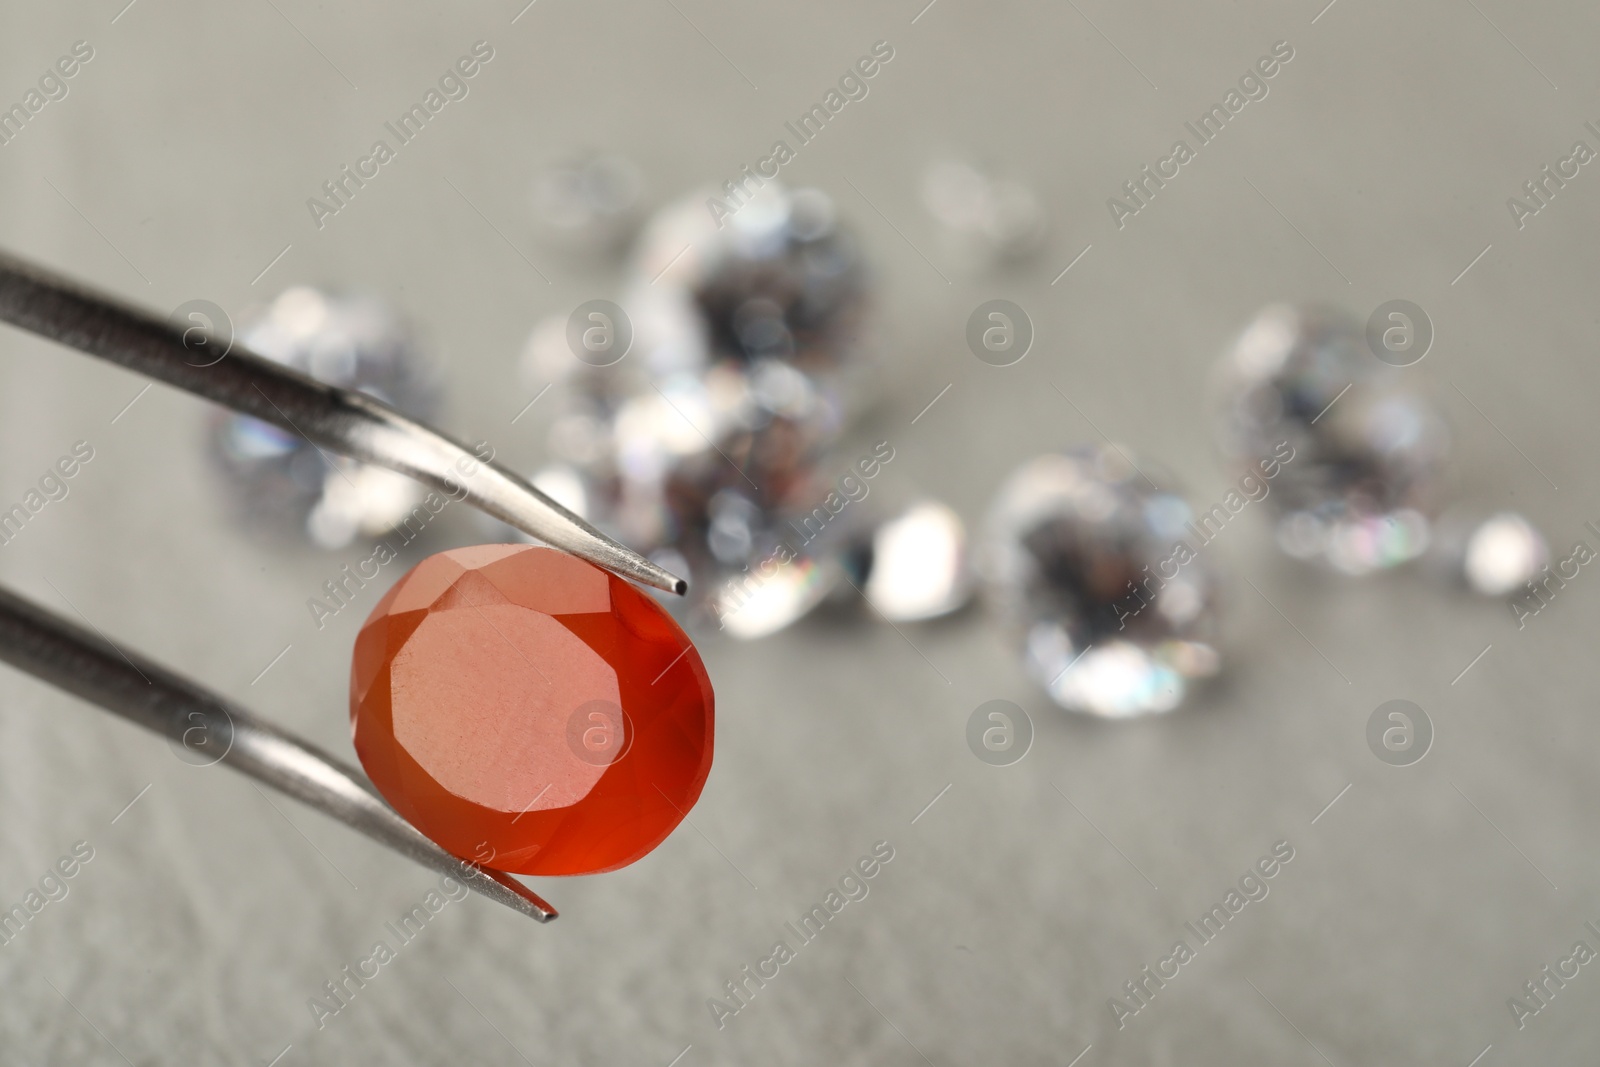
(178, 167)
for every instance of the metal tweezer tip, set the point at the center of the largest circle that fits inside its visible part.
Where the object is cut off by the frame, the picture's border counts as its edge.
(340, 420)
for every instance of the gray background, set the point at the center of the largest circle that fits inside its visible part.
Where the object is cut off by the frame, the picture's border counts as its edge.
(178, 168)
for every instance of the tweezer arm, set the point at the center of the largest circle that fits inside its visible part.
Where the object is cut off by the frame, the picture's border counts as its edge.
(339, 420)
(141, 691)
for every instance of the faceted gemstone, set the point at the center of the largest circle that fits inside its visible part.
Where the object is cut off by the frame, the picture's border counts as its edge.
(1095, 570)
(709, 441)
(1494, 555)
(589, 204)
(272, 475)
(1369, 451)
(530, 712)
(704, 475)
(987, 221)
(1503, 555)
(780, 278)
(913, 564)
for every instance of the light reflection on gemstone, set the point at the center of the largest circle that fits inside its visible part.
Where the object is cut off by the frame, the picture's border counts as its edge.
(273, 476)
(1503, 554)
(1116, 679)
(1491, 554)
(1370, 453)
(1073, 564)
(748, 608)
(915, 565)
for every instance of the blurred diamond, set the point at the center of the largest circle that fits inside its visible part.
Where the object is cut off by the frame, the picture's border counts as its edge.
(703, 443)
(1367, 454)
(707, 471)
(1504, 554)
(1081, 559)
(749, 606)
(987, 220)
(914, 565)
(711, 467)
(275, 478)
(779, 280)
(1494, 556)
(590, 204)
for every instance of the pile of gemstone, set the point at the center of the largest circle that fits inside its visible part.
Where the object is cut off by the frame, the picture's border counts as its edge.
(716, 442)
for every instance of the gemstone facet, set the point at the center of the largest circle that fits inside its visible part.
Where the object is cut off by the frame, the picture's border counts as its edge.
(530, 712)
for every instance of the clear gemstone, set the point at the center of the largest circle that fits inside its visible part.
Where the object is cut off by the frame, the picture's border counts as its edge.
(779, 280)
(1504, 554)
(709, 435)
(1080, 559)
(988, 221)
(1369, 451)
(913, 565)
(708, 471)
(589, 204)
(1494, 555)
(275, 478)
(749, 608)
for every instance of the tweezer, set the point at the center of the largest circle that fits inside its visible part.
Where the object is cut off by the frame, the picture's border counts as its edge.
(127, 684)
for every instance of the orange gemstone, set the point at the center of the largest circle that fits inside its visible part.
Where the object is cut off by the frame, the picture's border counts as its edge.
(529, 711)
